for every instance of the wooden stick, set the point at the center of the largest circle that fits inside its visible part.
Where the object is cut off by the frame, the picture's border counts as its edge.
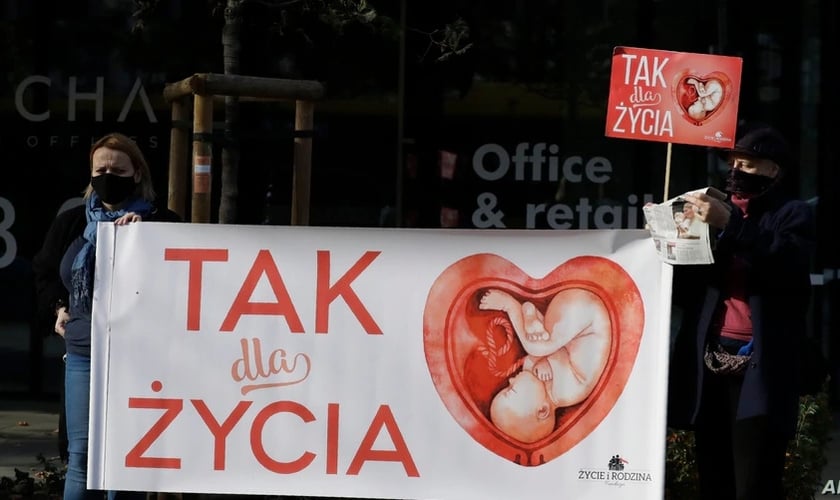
(178, 156)
(238, 85)
(302, 173)
(667, 170)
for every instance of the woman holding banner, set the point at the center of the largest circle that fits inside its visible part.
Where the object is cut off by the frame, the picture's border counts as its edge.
(120, 191)
(735, 365)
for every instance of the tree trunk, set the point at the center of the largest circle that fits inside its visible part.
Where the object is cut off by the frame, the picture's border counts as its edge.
(230, 148)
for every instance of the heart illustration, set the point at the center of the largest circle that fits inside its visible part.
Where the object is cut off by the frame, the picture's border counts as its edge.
(699, 98)
(529, 367)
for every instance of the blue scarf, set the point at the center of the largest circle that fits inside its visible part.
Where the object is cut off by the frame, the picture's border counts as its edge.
(83, 264)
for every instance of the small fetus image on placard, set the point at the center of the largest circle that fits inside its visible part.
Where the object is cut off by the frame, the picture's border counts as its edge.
(701, 97)
(709, 95)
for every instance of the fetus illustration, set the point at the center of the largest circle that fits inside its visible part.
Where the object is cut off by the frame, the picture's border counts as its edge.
(529, 366)
(567, 350)
(700, 98)
(709, 96)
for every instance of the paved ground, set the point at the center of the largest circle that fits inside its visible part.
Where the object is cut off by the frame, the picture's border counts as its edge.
(28, 426)
(27, 429)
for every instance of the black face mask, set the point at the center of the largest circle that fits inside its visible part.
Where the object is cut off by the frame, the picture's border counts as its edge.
(744, 184)
(113, 189)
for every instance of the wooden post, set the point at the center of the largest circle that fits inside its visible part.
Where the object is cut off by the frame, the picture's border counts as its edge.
(302, 173)
(202, 157)
(178, 157)
(667, 171)
(205, 87)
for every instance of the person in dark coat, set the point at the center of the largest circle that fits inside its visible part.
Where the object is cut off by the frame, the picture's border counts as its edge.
(120, 191)
(734, 370)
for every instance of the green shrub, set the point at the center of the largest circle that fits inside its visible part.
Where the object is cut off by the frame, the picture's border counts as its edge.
(805, 456)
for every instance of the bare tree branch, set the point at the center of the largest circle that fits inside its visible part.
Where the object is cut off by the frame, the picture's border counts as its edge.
(451, 40)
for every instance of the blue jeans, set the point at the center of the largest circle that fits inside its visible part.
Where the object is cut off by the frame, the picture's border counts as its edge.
(77, 406)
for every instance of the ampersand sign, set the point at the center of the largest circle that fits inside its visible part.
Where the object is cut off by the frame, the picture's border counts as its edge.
(529, 367)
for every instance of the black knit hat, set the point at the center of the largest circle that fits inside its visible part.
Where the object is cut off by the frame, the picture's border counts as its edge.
(760, 140)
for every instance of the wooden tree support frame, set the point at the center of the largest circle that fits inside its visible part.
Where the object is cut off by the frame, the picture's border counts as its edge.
(204, 88)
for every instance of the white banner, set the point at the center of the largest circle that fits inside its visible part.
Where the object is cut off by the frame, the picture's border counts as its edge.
(388, 363)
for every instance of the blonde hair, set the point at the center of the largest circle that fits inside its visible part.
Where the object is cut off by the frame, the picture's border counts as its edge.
(120, 142)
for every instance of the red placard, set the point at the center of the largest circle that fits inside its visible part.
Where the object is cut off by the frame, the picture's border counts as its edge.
(677, 97)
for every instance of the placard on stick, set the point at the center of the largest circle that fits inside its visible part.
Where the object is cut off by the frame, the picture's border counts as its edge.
(673, 97)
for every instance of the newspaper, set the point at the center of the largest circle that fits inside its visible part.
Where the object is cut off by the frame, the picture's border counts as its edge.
(680, 237)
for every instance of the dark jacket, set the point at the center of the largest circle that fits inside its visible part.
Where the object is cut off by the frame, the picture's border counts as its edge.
(64, 230)
(776, 242)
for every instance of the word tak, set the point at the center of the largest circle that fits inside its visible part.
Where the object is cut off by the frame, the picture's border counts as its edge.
(265, 266)
(644, 72)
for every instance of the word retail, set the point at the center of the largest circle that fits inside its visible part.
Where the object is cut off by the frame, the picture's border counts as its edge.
(585, 214)
(541, 162)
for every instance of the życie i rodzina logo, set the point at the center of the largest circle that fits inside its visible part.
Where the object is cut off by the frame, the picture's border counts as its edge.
(617, 463)
(617, 473)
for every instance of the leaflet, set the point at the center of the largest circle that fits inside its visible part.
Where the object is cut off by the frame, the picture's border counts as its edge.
(678, 234)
